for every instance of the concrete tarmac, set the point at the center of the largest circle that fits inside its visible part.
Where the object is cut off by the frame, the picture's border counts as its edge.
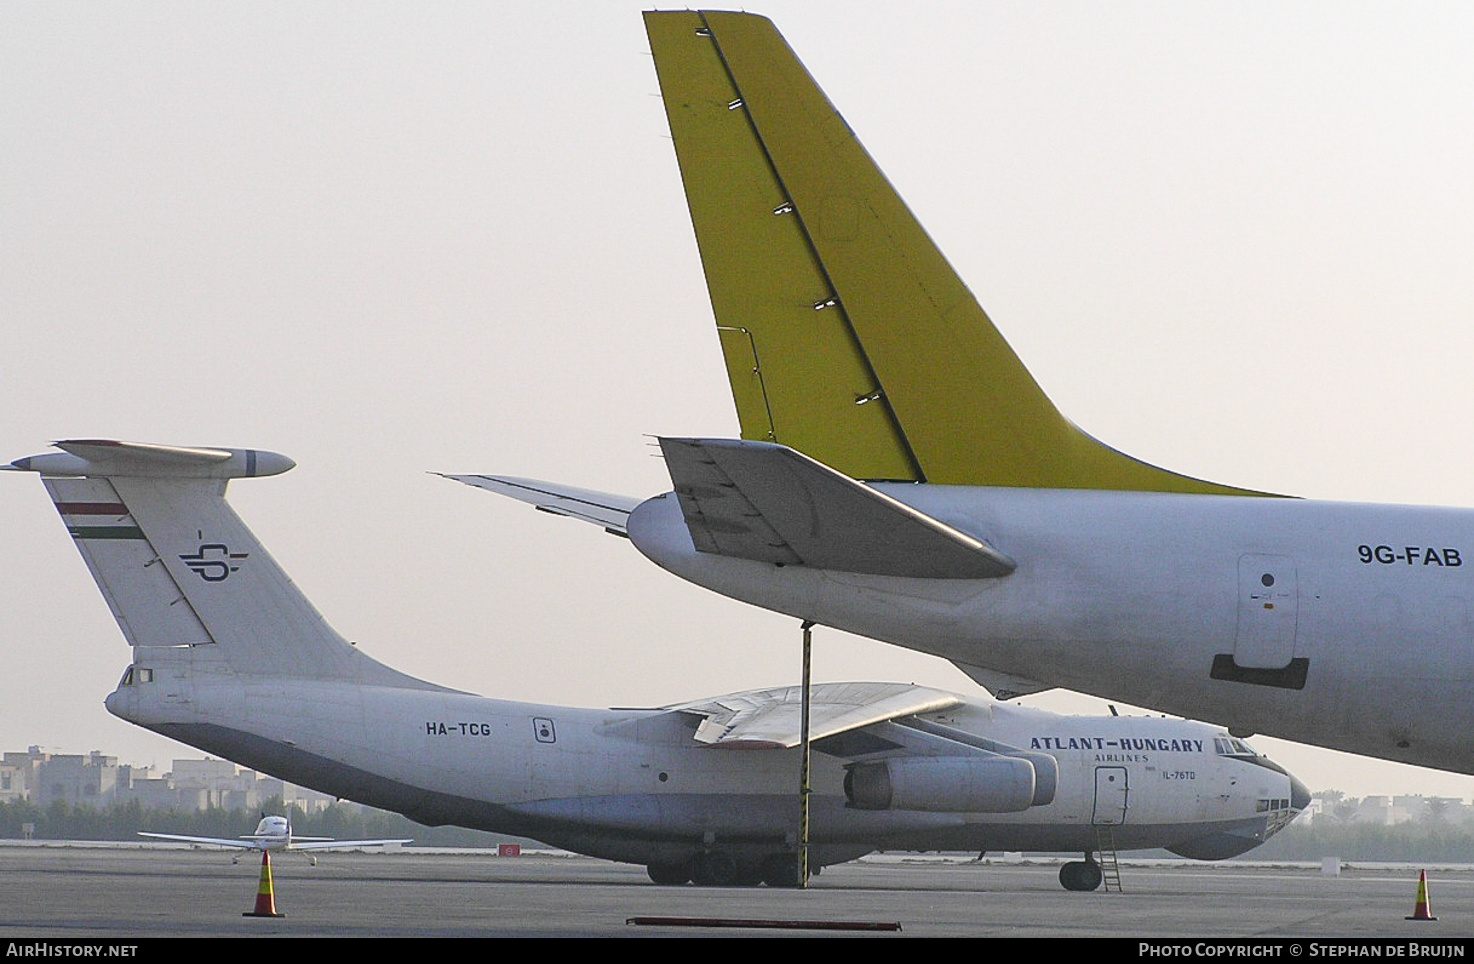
(75, 893)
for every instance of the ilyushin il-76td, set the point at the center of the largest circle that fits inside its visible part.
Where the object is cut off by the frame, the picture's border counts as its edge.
(230, 657)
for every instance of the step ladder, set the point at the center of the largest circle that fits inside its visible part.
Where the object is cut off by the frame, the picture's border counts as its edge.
(1110, 867)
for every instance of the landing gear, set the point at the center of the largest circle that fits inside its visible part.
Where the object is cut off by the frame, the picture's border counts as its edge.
(1080, 874)
(715, 868)
(669, 875)
(781, 870)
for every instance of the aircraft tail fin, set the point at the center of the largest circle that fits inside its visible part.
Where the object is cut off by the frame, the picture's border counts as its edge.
(847, 336)
(185, 578)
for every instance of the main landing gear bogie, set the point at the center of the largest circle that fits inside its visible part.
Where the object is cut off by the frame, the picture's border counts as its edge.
(718, 868)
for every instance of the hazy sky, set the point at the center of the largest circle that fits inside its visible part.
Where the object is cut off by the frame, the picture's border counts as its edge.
(386, 239)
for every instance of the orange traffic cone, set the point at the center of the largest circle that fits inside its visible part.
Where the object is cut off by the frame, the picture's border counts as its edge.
(1422, 911)
(265, 899)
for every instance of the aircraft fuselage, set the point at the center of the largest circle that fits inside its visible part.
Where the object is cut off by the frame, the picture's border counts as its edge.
(634, 785)
(1336, 624)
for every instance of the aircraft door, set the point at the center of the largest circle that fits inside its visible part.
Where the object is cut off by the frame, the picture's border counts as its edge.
(1110, 796)
(1268, 612)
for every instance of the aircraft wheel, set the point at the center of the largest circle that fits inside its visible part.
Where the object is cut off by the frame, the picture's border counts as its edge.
(670, 875)
(780, 870)
(748, 875)
(1080, 875)
(715, 869)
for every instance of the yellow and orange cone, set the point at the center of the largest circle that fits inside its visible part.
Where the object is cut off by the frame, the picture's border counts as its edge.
(265, 897)
(1422, 910)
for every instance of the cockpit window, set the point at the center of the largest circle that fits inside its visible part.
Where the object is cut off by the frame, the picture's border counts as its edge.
(137, 674)
(1232, 746)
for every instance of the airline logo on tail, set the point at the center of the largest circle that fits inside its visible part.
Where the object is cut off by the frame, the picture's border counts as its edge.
(213, 562)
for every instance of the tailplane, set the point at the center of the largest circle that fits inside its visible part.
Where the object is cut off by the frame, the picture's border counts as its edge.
(847, 336)
(185, 578)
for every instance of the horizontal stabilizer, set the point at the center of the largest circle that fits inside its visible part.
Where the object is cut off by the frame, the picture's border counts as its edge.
(771, 718)
(187, 580)
(601, 508)
(102, 458)
(766, 502)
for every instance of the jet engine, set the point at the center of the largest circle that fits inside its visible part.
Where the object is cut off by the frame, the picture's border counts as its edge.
(972, 784)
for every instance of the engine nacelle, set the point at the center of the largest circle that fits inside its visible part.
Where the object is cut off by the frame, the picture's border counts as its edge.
(990, 784)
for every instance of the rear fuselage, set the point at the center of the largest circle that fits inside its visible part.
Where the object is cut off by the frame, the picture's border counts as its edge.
(1328, 623)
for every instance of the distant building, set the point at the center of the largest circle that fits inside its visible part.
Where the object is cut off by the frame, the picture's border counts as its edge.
(97, 780)
(1386, 811)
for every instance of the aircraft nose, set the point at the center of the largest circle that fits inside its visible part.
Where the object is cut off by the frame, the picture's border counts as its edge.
(1299, 795)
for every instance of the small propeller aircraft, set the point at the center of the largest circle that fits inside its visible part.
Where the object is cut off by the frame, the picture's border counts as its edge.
(274, 834)
(230, 657)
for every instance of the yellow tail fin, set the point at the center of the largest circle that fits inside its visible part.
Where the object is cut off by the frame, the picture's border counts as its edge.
(846, 334)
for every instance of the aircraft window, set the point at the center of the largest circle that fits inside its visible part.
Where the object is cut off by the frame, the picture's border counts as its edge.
(1267, 579)
(137, 674)
(1232, 746)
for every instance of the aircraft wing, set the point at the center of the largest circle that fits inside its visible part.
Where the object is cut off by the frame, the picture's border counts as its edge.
(257, 843)
(341, 844)
(600, 508)
(236, 844)
(758, 500)
(772, 718)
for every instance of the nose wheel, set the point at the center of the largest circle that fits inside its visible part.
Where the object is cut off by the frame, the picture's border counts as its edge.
(1080, 875)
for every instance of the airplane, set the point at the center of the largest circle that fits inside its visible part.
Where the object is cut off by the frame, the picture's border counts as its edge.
(230, 657)
(274, 834)
(902, 476)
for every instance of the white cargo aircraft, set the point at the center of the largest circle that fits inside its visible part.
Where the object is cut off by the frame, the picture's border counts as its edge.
(902, 476)
(228, 656)
(274, 834)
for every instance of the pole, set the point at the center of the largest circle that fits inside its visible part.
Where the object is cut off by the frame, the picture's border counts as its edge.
(803, 787)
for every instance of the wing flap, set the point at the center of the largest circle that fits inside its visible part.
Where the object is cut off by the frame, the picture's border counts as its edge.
(344, 844)
(771, 718)
(756, 500)
(245, 844)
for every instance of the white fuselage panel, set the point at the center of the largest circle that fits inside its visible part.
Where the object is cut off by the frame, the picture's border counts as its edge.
(1337, 624)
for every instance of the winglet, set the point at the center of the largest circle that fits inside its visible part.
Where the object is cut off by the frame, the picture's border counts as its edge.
(847, 335)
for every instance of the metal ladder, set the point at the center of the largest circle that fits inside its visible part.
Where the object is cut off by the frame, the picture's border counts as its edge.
(1110, 867)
